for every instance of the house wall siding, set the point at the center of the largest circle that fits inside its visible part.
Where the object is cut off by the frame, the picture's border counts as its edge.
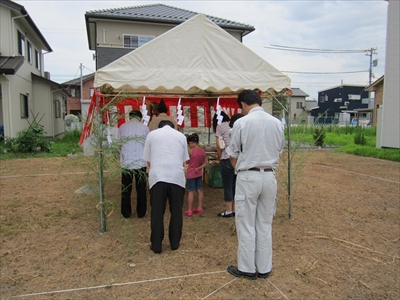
(390, 125)
(108, 55)
(74, 103)
(43, 106)
(329, 107)
(58, 122)
(87, 85)
(378, 101)
(5, 31)
(19, 86)
(12, 86)
(300, 113)
(109, 37)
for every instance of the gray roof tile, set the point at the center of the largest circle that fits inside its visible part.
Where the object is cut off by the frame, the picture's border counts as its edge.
(299, 93)
(77, 81)
(161, 13)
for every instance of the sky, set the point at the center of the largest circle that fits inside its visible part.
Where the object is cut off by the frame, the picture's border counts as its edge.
(322, 25)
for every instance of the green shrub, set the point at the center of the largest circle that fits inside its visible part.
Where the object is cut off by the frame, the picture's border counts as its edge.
(319, 136)
(32, 140)
(7, 145)
(359, 137)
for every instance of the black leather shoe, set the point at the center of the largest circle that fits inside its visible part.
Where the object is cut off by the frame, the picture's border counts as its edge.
(225, 215)
(155, 251)
(235, 272)
(174, 248)
(263, 275)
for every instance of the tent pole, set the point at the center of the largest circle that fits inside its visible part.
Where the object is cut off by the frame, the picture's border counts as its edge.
(100, 164)
(287, 108)
(290, 196)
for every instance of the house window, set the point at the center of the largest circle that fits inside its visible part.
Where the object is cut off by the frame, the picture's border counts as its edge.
(135, 41)
(75, 112)
(299, 105)
(21, 44)
(323, 98)
(24, 106)
(57, 107)
(37, 59)
(354, 97)
(29, 52)
(91, 91)
(76, 92)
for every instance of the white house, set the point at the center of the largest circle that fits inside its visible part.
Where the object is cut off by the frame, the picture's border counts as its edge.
(388, 130)
(26, 92)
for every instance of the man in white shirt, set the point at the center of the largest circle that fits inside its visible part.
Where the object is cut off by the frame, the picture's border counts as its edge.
(256, 143)
(166, 152)
(133, 134)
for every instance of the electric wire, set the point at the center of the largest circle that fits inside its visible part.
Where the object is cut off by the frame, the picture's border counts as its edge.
(325, 73)
(299, 49)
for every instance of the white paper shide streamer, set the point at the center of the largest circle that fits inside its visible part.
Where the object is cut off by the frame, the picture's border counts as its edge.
(143, 110)
(179, 113)
(109, 139)
(219, 116)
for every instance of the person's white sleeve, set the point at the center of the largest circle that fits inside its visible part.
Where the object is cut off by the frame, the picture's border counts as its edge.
(282, 146)
(146, 151)
(186, 156)
(119, 133)
(233, 149)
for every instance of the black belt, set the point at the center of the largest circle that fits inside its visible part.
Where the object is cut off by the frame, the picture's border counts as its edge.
(260, 169)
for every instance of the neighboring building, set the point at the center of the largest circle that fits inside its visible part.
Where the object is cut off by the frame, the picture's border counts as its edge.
(377, 89)
(298, 110)
(26, 91)
(113, 33)
(77, 105)
(388, 129)
(351, 99)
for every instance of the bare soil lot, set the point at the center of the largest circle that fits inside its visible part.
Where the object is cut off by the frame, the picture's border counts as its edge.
(342, 243)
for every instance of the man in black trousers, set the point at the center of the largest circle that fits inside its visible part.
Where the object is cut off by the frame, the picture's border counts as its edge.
(133, 134)
(166, 152)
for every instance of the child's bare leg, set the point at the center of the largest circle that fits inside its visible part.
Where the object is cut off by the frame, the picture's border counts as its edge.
(190, 200)
(200, 199)
(229, 206)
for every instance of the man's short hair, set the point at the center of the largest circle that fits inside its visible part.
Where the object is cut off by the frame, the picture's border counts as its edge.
(135, 114)
(234, 118)
(165, 122)
(249, 97)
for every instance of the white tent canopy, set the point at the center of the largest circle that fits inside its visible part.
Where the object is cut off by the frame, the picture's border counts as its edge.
(193, 57)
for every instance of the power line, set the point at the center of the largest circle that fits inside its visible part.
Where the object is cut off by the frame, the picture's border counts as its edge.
(324, 73)
(299, 49)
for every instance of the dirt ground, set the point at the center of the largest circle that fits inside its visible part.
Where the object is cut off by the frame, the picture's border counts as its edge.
(341, 243)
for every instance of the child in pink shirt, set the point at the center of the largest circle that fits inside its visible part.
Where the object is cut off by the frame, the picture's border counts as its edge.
(194, 174)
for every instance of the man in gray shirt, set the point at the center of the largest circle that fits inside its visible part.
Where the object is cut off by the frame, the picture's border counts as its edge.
(256, 144)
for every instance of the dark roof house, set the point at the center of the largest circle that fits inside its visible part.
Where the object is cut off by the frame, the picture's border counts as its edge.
(115, 32)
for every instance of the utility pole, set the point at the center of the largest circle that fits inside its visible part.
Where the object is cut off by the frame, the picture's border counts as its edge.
(372, 63)
(81, 89)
